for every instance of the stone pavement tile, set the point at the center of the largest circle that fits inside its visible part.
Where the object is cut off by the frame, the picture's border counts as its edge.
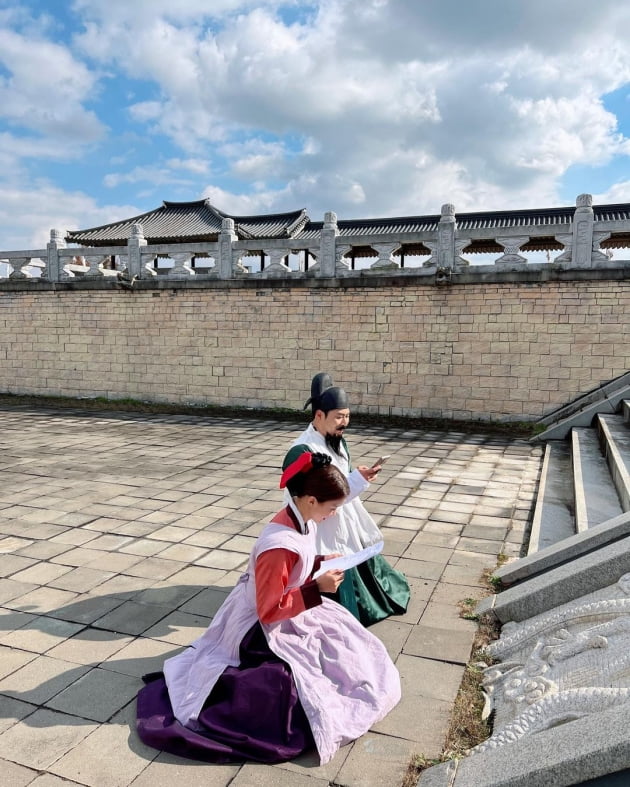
(81, 579)
(140, 657)
(432, 642)
(12, 589)
(143, 547)
(423, 569)
(86, 608)
(254, 775)
(393, 549)
(43, 550)
(239, 544)
(11, 564)
(421, 590)
(448, 593)
(104, 758)
(393, 633)
(41, 601)
(155, 568)
(122, 586)
(433, 554)
(421, 721)
(445, 528)
(131, 618)
(491, 521)
(80, 556)
(220, 558)
(485, 532)
(478, 545)
(50, 780)
(73, 520)
(401, 535)
(206, 538)
(113, 562)
(462, 575)
(168, 770)
(162, 518)
(136, 528)
(12, 660)
(36, 515)
(40, 679)
(195, 576)
(435, 539)
(10, 620)
(13, 711)
(179, 628)
(446, 616)
(13, 544)
(184, 553)
(453, 517)
(90, 647)
(109, 542)
(376, 760)
(172, 533)
(14, 775)
(403, 523)
(167, 593)
(75, 537)
(40, 634)
(97, 695)
(478, 560)
(308, 764)
(206, 603)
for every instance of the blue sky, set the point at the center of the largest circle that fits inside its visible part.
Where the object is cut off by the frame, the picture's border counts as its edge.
(364, 107)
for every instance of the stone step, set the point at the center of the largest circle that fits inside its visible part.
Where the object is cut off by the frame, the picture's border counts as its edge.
(615, 437)
(625, 410)
(596, 498)
(553, 516)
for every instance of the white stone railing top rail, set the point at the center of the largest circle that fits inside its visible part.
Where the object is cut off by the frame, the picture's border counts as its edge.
(328, 250)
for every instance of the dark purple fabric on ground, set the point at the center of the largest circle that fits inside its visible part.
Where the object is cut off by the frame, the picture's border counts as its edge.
(253, 712)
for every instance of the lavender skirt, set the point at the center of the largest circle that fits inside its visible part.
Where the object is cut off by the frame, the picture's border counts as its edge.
(253, 712)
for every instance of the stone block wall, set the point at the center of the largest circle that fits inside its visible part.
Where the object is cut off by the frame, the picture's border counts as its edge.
(500, 351)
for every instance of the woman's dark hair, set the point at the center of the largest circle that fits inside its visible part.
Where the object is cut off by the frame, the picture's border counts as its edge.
(323, 482)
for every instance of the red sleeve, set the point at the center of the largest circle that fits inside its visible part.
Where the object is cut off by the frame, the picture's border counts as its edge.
(273, 601)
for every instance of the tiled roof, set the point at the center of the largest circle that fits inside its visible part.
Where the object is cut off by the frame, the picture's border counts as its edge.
(175, 222)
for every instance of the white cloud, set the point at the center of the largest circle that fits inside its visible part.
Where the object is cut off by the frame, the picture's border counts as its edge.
(28, 214)
(52, 105)
(365, 107)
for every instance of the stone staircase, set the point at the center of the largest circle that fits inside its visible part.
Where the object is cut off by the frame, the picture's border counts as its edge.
(585, 478)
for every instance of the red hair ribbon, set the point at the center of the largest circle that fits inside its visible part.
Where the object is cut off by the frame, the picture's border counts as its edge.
(303, 463)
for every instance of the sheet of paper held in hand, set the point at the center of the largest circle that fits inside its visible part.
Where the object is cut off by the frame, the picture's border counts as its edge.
(349, 561)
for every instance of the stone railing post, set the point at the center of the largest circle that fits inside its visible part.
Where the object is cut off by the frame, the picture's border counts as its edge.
(227, 237)
(134, 251)
(582, 242)
(327, 259)
(444, 248)
(53, 270)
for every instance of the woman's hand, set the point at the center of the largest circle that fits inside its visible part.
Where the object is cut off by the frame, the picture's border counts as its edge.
(331, 556)
(330, 581)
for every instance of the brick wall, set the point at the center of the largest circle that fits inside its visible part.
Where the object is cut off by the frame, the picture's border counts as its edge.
(508, 351)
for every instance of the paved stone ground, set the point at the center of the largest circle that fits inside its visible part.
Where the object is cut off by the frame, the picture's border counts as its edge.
(120, 536)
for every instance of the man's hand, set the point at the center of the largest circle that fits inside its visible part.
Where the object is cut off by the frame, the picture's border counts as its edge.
(330, 581)
(369, 473)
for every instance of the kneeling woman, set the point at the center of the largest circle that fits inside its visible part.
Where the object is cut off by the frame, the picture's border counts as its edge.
(280, 669)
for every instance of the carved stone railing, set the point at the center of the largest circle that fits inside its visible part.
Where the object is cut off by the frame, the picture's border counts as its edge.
(572, 240)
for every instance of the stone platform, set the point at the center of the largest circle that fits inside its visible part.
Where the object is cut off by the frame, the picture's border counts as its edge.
(121, 534)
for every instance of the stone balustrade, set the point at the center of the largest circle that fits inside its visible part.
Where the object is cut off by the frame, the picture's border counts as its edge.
(437, 247)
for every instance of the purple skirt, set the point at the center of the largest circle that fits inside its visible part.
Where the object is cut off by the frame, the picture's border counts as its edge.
(253, 712)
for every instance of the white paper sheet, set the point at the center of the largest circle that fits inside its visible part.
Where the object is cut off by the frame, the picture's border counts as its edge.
(349, 561)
